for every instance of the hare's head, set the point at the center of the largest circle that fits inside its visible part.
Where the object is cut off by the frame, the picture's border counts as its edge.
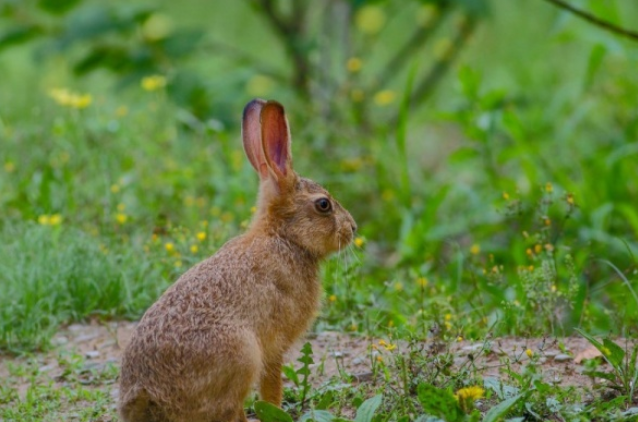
(292, 207)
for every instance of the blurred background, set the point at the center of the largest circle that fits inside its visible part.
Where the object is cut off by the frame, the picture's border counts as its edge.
(487, 149)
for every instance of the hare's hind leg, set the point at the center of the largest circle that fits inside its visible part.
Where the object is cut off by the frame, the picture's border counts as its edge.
(141, 409)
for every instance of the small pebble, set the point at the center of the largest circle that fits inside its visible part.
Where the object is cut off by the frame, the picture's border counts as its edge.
(562, 357)
(59, 340)
(86, 337)
(91, 354)
(473, 348)
(46, 368)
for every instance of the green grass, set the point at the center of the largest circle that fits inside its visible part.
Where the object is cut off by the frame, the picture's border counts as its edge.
(506, 207)
(495, 170)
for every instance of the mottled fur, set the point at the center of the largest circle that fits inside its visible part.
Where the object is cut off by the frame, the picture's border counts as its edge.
(225, 325)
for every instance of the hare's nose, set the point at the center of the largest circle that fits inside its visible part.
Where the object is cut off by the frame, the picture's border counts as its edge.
(353, 225)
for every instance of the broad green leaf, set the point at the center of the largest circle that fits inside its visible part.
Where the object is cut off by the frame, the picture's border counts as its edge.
(291, 374)
(365, 412)
(599, 374)
(590, 339)
(57, 7)
(596, 56)
(439, 402)
(317, 416)
(19, 35)
(501, 409)
(615, 355)
(268, 412)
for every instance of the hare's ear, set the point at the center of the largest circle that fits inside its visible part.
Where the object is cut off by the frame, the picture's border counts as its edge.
(275, 138)
(251, 136)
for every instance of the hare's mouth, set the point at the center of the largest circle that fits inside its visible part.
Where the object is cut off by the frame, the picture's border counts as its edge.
(344, 237)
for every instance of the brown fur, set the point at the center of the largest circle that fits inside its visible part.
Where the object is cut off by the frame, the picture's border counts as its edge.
(227, 322)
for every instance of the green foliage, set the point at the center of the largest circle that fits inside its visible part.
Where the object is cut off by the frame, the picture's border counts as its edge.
(441, 403)
(624, 373)
(301, 383)
(268, 412)
(500, 203)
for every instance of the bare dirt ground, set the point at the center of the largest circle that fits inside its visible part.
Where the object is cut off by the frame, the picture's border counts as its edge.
(559, 360)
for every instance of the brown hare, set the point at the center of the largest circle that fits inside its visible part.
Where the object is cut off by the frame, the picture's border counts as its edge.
(225, 325)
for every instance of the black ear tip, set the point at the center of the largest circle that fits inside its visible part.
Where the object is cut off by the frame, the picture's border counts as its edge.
(257, 103)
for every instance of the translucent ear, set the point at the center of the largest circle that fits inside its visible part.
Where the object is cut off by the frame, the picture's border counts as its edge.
(275, 138)
(251, 137)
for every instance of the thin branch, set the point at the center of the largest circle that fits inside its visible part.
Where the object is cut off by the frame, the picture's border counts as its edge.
(242, 58)
(439, 69)
(414, 43)
(290, 32)
(595, 20)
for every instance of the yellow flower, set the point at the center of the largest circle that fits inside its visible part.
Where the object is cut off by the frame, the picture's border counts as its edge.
(547, 221)
(354, 64)
(121, 217)
(157, 27)
(422, 281)
(553, 288)
(9, 167)
(385, 97)
(169, 247)
(530, 268)
(529, 353)
(442, 49)
(390, 347)
(470, 393)
(538, 248)
(426, 13)
(387, 195)
(529, 252)
(570, 199)
(227, 217)
(506, 196)
(121, 111)
(67, 98)
(379, 359)
(260, 86)
(82, 101)
(194, 249)
(153, 82)
(549, 188)
(448, 317)
(253, 209)
(201, 236)
(115, 188)
(332, 298)
(370, 19)
(357, 95)
(358, 242)
(475, 249)
(459, 339)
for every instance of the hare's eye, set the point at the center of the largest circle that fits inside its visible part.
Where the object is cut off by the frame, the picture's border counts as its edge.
(323, 205)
